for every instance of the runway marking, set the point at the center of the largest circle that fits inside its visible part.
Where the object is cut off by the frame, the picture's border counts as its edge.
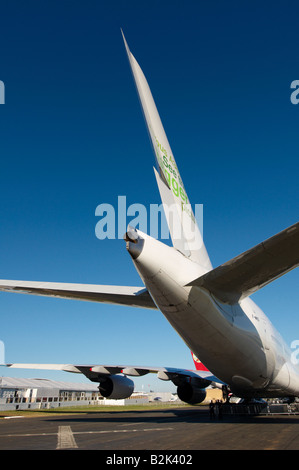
(13, 417)
(83, 432)
(66, 438)
(29, 434)
(65, 435)
(123, 430)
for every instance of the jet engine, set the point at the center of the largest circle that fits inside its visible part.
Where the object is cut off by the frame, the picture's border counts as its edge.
(190, 393)
(116, 386)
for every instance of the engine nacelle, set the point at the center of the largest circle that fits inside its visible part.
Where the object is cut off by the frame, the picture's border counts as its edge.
(116, 386)
(191, 394)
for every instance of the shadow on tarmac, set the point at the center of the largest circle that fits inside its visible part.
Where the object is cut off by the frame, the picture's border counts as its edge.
(169, 415)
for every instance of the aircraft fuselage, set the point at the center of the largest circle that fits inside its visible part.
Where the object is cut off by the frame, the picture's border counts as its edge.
(238, 343)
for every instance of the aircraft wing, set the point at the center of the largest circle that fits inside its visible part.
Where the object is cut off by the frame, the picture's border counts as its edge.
(121, 295)
(95, 372)
(253, 269)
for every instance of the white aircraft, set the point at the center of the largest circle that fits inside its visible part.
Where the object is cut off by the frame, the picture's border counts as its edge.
(209, 308)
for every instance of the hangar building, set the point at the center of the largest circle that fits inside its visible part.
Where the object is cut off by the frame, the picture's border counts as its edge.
(21, 394)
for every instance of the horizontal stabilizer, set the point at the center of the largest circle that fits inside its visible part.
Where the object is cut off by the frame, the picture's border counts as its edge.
(253, 269)
(120, 295)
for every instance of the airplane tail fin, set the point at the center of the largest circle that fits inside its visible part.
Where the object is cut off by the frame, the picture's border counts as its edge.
(198, 364)
(185, 234)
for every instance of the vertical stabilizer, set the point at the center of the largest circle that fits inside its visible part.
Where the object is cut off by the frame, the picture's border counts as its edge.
(182, 224)
(198, 364)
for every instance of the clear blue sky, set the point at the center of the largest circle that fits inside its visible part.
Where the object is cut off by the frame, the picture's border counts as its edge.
(73, 137)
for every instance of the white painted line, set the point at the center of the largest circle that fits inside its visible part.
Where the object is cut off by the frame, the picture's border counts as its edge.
(123, 431)
(29, 434)
(13, 417)
(66, 438)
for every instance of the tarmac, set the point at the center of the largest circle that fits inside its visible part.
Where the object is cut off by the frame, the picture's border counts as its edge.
(172, 430)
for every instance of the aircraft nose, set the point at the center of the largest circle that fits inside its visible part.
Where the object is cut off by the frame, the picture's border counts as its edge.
(134, 242)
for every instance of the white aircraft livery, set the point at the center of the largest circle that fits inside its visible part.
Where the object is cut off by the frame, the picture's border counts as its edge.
(209, 308)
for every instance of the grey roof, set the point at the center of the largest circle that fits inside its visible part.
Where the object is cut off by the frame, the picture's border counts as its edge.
(13, 382)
